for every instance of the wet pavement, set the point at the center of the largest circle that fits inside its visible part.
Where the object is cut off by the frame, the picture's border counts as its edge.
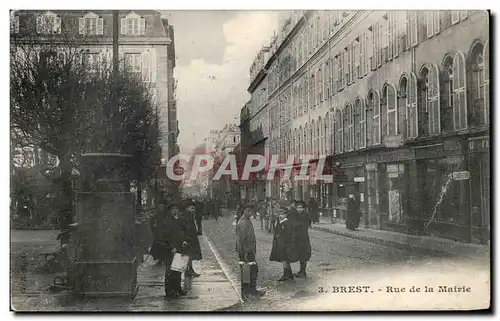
(337, 261)
(211, 291)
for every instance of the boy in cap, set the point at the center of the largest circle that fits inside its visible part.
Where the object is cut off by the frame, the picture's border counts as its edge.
(246, 248)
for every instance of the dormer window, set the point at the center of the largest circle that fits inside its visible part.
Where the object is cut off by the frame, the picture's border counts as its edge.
(14, 22)
(133, 25)
(91, 24)
(48, 23)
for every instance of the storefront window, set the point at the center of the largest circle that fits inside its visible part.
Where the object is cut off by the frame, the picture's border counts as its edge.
(395, 186)
(441, 193)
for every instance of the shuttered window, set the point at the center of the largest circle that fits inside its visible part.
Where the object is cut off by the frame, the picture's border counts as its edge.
(433, 100)
(377, 137)
(339, 132)
(459, 93)
(392, 111)
(411, 107)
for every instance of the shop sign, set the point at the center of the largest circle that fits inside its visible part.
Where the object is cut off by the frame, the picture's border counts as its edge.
(459, 176)
(359, 179)
(393, 141)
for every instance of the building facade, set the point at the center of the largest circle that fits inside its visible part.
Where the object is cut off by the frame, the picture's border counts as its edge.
(397, 103)
(223, 143)
(146, 46)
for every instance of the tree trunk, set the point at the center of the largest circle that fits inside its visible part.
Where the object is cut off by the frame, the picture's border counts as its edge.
(66, 210)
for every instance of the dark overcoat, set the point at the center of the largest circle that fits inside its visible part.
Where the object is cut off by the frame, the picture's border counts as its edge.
(193, 249)
(283, 245)
(245, 237)
(312, 208)
(301, 241)
(353, 214)
(158, 251)
(172, 235)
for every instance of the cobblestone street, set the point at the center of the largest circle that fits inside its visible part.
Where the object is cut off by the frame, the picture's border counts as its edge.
(335, 261)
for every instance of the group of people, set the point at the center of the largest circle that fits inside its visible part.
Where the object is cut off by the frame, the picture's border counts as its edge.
(289, 222)
(291, 241)
(176, 227)
(267, 210)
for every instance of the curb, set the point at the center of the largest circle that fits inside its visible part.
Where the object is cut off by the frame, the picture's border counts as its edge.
(226, 274)
(396, 245)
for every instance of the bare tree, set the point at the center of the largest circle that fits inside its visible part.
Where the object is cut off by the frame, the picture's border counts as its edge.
(63, 100)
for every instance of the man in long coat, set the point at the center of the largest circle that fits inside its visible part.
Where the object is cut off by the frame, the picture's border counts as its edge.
(301, 222)
(174, 238)
(193, 249)
(312, 208)
(353, 213)
(283, 249)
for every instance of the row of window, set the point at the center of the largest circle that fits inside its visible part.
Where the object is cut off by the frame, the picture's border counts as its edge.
(89, 24)
(318, 29)
(384, 41)
(435, 102)
(140, 63)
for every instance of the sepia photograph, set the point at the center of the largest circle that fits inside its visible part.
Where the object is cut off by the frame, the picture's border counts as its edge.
(249, 160)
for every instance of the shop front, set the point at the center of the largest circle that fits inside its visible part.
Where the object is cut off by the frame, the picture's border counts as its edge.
(388, 189)
(444, 196)
(349, 179)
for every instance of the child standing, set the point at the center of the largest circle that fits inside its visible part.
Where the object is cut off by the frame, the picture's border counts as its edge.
(246, 248)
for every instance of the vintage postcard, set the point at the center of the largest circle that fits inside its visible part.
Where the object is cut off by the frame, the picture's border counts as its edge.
(306, 160)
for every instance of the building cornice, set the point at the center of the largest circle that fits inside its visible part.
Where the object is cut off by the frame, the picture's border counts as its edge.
(96, 41)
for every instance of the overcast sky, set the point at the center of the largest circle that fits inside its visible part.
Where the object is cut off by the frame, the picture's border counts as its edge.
(214, 52)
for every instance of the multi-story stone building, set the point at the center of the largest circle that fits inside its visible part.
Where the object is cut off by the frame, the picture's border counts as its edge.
(146, 46)
(224, 141)
(397, 102)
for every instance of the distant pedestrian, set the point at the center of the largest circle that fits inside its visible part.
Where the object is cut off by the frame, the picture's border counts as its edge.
(283, 246)
(253, 202)
(199, 216)
(353, 213)
(194, 249)
(262, 210)
(216, 211)
(246, 249)
(273, 214)
(312, 208)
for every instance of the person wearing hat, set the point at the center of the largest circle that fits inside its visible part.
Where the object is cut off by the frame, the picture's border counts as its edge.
(193, 230)
(301, 222)
(283, 242)
(174, 238)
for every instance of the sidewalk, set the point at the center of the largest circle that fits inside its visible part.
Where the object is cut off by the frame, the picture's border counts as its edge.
(212, 291)
(420, 244)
